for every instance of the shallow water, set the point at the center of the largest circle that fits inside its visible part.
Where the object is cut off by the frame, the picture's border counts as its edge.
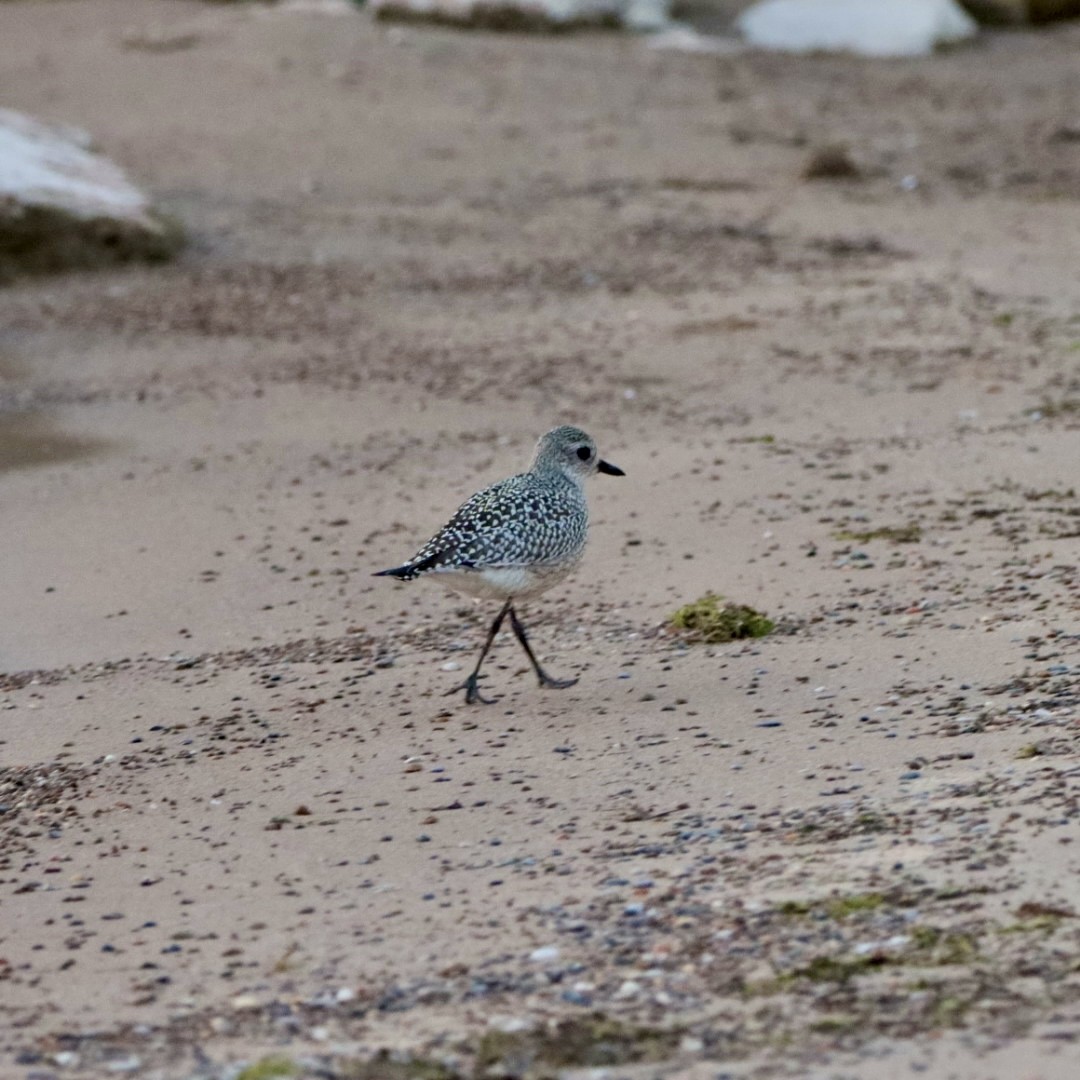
(30, 439)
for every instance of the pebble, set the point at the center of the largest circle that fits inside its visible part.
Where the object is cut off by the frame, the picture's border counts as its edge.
(544, 954)
(575, 997)
(125, 1065)
(509, 1024)
(866, 948)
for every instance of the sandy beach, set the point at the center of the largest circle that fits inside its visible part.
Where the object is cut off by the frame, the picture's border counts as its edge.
(239, 820)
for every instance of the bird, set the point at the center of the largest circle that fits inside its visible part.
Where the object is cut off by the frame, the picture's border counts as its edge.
(516, 539)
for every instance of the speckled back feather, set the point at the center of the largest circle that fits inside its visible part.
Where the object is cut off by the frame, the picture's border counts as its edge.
(526, 520)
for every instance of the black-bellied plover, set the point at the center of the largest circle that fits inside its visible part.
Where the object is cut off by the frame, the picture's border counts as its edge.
(516, 539)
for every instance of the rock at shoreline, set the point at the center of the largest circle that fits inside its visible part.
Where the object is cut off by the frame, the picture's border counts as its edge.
(864, 27)
(1022, 11)
(529, 15)
(63, 207)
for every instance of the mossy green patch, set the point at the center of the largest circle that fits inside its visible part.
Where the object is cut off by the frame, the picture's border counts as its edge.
(587, 1042)
(896, 534)
(871, 822)
(385, 1067)
(269, 1068)
(838, 969)
(1035, 916)
(1061, 407)
(931, 945)
(835, 1025)
(840, 907)
(712, 620)
(836, 907)
(1043, 924)
(949, 1010)
(794, 908)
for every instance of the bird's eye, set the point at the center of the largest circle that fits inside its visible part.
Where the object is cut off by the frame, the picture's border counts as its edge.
(584, 453)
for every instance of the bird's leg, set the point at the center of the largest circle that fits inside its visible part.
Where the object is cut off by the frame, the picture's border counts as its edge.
(472, 695)
(541, 674)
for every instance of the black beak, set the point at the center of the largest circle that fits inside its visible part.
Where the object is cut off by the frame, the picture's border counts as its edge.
(609, 469)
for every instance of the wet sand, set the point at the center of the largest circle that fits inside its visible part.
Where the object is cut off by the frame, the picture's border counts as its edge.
(240, 817)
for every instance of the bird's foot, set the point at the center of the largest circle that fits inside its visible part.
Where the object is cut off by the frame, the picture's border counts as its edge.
(555, 684)
(472, 693)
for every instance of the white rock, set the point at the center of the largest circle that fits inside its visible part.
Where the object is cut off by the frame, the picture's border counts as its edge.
(686, 39)
(509, 1024)
(529, 14)
(544, 954)
(866, 27)
(63, 205)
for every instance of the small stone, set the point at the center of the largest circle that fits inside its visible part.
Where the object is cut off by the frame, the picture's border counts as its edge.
(545, 954)
(125, 1065)
(575, 997)
(509, 1024)
(831, 162)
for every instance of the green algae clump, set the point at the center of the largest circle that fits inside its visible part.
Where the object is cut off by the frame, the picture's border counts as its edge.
(713, 620)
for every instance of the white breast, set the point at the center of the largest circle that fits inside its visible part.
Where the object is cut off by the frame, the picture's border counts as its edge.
(503, 582)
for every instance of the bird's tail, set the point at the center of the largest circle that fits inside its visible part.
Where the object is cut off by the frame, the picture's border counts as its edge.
(402, 573)
(412, 569)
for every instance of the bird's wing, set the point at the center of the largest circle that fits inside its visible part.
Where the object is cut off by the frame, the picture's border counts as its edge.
(499, 526)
